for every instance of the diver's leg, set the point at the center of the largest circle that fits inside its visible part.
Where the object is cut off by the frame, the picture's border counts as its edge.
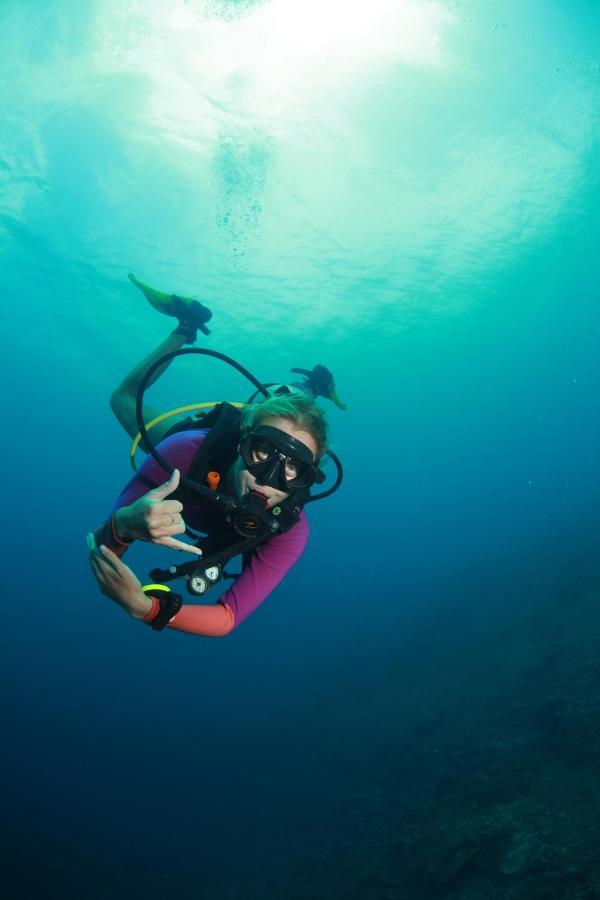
(123, 398)
(191, 316)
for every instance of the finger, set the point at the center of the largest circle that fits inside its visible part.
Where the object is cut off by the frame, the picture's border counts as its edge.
(93, 553)
(179, 545)
(97, 571)
(159, 493)
(173, 524)
(112, 560)
(101, 566)
(123, 572)
(171, 507)
(167, 527)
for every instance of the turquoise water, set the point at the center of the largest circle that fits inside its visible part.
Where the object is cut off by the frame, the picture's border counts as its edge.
(406, 192)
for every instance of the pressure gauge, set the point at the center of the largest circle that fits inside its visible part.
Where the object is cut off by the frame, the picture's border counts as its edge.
(197, 584)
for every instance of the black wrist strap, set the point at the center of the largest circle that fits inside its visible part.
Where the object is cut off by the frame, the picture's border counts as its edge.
(170, 603)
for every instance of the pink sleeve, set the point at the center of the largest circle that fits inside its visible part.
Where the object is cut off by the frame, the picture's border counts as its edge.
(268, 566)
(178, 450)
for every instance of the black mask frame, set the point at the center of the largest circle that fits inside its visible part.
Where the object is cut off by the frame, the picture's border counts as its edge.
(281, 448)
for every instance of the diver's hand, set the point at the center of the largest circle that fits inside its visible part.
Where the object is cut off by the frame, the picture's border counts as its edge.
(155, 518)
(117, 581)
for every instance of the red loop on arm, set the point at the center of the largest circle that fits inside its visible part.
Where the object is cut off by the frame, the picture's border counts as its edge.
(150, 617)
(115, 535)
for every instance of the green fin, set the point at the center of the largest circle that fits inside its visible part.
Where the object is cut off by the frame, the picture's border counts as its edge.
(164, 303)
(189, 312)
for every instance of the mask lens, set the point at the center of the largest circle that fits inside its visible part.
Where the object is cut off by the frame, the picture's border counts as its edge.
(261, 450)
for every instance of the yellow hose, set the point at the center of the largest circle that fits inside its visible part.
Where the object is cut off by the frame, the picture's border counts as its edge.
(167, 415)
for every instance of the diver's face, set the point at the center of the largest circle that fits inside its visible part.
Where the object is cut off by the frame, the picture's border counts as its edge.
(245, 482)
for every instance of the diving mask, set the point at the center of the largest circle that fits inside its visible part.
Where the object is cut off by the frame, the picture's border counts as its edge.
(278, 460)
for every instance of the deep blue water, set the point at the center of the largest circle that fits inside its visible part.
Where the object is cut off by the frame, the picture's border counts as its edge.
(407, 193)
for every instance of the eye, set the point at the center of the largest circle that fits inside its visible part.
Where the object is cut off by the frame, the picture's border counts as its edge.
(261, 452)
(291, 469)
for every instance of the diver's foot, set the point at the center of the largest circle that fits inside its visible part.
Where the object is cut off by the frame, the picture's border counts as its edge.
(191, 314)
(320, 382)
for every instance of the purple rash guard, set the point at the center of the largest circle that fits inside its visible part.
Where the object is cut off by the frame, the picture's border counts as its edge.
(269, 564)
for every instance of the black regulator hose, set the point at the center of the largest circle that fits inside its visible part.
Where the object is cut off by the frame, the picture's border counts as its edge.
(338, 480)
(223, 499)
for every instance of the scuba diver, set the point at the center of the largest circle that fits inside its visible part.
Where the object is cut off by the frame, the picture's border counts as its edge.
(240, 474)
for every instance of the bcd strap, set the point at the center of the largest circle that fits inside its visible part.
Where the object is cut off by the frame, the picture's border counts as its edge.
(219, 449)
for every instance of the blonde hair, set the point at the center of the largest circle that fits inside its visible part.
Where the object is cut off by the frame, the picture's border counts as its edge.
(298, 407)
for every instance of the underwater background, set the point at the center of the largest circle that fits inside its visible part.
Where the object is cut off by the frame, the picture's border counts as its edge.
(406, 192)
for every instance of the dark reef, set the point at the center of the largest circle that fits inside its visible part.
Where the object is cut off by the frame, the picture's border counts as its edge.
(490, 787)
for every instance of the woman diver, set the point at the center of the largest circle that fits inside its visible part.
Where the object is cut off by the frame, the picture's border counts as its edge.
(241, 477)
